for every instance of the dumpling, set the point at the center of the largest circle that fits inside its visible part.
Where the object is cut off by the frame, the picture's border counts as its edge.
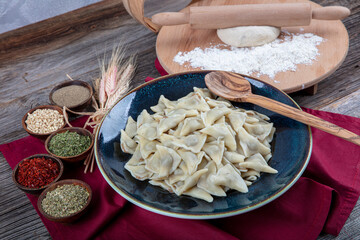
(180, 111)
(215, 150)
(191, 160)
(148, 131)
(127, 144)
(162, 184)
(260, 130)
(192, 142)
(206, 184)
(214, 103)
(257, 115)
(237, 120)
(227, 162)
(258, 163)
(231, 130)
(158, 116)
(139, 172)
(220, 99)
(147, 147)
(250, 175)
(190, 181)
(144, 117)
(271, 135)
(199, 193)
(220, 120)
(228, 177)
(178, 175)
(159, 108)
(204, 92)
(136, 159)
(170, 122)
(234, 157)
(163, 162)
(214, 114)
(267, 157)
(131, 127)
(194, 102)
(177, 130)
(168, 140)
(221, 131)
(190, 125)
(250, 144)
(166, 102)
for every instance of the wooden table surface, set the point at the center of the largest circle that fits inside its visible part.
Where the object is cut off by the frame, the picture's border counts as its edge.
(33, 60)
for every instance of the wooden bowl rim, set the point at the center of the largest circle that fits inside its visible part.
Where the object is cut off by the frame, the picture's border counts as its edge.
(60, 183)
(47, 141)
(69, 83)
(53, 107)
(47, 156)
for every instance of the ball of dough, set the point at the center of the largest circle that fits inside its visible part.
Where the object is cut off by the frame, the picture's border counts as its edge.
(248, 36)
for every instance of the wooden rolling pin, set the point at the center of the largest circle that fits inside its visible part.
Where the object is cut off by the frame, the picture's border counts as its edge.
(226, 16)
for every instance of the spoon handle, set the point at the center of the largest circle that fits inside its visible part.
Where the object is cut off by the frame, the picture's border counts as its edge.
(303, 117)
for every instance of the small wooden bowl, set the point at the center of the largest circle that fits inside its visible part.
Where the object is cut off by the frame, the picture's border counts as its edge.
(79, 107)
(37, 191)
(75, 158)
(41, 135)
(72, 217)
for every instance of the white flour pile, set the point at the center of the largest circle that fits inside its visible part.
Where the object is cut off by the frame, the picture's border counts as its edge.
(278, 56)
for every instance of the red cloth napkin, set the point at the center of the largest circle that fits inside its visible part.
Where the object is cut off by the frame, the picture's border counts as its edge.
(321, 200)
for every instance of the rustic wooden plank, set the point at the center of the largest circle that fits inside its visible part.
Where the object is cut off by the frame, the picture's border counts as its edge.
(20, 13)
(67, 26)
(345, 105)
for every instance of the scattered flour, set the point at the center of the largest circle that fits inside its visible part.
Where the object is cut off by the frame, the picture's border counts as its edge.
(278, 56)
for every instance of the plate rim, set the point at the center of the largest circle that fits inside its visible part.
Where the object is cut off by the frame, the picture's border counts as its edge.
(187, 215)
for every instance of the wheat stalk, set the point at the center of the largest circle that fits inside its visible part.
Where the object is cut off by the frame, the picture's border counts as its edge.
(122, 87)
(113, 83)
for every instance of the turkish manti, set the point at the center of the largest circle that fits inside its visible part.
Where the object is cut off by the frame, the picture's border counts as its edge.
(200, 146)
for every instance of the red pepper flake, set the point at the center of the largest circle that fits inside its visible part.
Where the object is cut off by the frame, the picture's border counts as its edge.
(37, 172)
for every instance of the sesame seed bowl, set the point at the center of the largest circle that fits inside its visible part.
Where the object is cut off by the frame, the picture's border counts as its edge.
(43, 120)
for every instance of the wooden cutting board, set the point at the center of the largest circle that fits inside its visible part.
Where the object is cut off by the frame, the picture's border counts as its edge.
(172, 39)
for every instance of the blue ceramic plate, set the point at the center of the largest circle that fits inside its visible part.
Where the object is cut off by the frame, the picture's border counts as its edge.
(291, 149)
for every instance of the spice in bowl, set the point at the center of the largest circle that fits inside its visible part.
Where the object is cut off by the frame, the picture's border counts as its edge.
(71, 95)
(43, 121)
(65, 200)
(37, 172)
(68, 144)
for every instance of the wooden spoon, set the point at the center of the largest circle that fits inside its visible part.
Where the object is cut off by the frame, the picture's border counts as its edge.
(236, 88)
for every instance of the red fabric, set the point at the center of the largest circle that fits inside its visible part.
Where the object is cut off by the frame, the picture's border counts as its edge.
(160, 68)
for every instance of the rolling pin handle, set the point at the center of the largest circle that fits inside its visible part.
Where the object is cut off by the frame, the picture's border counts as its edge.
(330, 13)
(170, 18)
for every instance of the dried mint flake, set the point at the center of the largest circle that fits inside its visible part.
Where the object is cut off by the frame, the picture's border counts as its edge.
(68, 144)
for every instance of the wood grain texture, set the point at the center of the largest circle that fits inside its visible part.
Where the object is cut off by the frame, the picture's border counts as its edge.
(277, 15)
(182, 38)
(136, 10)
(35, 68)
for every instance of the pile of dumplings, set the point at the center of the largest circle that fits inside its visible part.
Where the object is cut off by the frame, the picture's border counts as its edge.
(199, 145)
